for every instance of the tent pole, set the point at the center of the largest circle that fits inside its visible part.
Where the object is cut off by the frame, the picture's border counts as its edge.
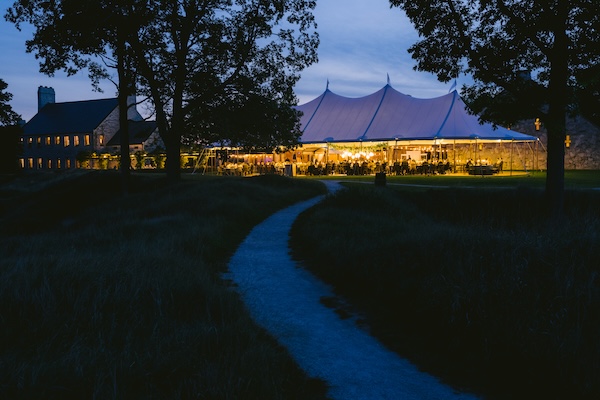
(512, 143)
(537, 161)
(454, 154)
(471, 151)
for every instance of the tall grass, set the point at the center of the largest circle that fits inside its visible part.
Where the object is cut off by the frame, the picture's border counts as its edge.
(477, 286)
(103, 296)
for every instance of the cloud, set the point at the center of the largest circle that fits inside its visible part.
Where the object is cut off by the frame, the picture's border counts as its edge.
(362, 42)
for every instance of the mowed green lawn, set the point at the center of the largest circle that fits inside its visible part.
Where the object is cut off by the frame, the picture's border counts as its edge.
(536, 179)
(111, 297)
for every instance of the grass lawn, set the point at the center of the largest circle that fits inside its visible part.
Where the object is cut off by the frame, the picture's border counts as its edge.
(475, 285)
(104, 296)
(536, 179)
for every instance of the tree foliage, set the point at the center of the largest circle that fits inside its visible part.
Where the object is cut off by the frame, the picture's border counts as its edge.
(256, 124)
(213, 61)
(528, 59)
(8, 116)
(202, 63)
(71, 35)
(9, 131)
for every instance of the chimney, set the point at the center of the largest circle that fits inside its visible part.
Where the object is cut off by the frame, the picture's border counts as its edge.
(132, 112)
(45, 95)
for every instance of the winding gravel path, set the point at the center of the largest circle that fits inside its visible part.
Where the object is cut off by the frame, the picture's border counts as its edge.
(285, 300)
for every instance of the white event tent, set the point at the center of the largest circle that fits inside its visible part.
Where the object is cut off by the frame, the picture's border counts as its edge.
(388, 127)
(388, 115)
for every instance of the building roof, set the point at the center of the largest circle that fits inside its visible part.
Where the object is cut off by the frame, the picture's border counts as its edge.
(390, 115)
(70, 117)
(139, 132)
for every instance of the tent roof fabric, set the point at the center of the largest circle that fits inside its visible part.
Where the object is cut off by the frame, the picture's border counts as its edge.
(390, 115)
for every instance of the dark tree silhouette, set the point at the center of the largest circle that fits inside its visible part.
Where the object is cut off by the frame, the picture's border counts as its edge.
(9, 131)
(211, 56)
(528, 58)
(8, 116)
(186, 55)
(69, 34)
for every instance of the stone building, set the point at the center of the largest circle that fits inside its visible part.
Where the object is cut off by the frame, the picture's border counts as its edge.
(582, 147)
(74, 134)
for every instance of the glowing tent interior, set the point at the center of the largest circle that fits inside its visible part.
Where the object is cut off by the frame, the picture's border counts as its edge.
(388, 131)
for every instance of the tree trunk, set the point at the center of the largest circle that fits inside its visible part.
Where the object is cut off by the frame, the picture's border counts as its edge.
(178, 116)
(124, 87)
(556, 124)
(173, 138)
(162, 120)
(173, 155)
(555, 179)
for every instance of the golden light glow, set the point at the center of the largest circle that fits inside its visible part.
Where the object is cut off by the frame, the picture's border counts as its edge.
(357, 155)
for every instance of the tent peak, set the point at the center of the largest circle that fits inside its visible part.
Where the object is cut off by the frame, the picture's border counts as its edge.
(388, 113)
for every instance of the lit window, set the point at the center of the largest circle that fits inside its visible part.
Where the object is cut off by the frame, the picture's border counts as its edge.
(68, 162)
(40, 163)
(30, 163)
(58, 164)
(49, 164)
(39, 141)
(76, 140)
(56, 139)
(29, 142)
(101, 140)
(86, 140)
(67, 141)
(48, 140)
(22, 163)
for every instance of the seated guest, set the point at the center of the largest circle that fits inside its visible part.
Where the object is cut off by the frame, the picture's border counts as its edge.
(405, 167)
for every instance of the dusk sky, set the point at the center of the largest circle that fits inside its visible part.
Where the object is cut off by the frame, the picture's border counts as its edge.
(361, 43)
